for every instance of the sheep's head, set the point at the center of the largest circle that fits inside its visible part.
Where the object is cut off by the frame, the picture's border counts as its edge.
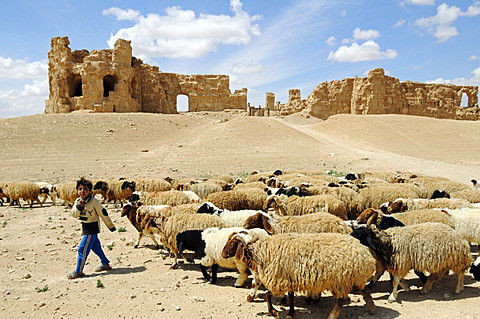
(397, 206)
(128, 209)
(100, 185)
(128, 185)
(236, 245)
(259, 220)
(207, 208)
(475, 269)
(369, 216)
(377, 240)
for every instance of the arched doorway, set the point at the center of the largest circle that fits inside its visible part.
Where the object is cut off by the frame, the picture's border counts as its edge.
(464, 101)
(182, 103)
(109, 82)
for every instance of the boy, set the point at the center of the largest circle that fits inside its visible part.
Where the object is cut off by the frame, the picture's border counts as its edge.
(89, 211)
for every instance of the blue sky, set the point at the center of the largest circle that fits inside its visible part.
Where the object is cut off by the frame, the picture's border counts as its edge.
(265, 46)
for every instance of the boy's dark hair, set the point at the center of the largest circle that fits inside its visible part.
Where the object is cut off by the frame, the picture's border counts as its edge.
(84, 182)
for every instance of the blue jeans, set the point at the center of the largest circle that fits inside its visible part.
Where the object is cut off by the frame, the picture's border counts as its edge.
(89, 242)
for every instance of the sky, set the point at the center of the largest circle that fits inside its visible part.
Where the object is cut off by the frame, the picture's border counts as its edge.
(264, 46)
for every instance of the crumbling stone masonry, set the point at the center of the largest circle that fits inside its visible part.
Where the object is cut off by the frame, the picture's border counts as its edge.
(381, 94)
(113, 80)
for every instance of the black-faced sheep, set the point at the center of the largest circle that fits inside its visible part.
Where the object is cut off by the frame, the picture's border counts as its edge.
(427, 247)
(208, 245)
(47, 190)
(307, 263)
(119, 191)
(475, 269)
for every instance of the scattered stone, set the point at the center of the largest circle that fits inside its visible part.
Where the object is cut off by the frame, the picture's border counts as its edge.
(177, 308)
(447, 296)
(27, 276)
(184, 277)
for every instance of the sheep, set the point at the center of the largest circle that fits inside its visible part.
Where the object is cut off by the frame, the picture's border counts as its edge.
(203, 189)
(402, 204)
(310, 223)
(143, 219)
(233, 218)
(67, 192)
(475, 269)
(208, 245)
(100, 188)
(472, 195)
(384, 221)
(467, 223)
(172, 198)
(306, 263)
(27, 191)
(439, 194)
(119, 190)
(474, 183)
(47, 190)
(249, 198)
(427, 247)
(374, 196)
(352, 199)
(177, 223)
(152, 185)
(312, 204)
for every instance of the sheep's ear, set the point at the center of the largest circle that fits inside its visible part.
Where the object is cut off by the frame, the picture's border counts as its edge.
(124, 185)
(230, 248)
(372, 219)
(240, 251)
(371, 243)
(266, 225)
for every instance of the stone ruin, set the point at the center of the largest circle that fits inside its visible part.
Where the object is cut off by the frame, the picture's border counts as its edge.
(381, 94)
(113, 80)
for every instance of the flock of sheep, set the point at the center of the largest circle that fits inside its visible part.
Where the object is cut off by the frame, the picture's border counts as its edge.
(301, 232)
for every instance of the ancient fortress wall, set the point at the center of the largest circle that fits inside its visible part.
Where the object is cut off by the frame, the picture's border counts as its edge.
(113, 80)
(381, 94)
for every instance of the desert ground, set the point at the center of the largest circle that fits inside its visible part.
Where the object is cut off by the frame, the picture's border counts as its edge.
(38, 245)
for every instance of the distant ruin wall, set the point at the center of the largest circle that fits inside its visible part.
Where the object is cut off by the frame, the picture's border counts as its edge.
(381, 94)
(113, 80)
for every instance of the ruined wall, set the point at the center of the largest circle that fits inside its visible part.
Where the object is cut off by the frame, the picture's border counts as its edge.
(113, 80)
(270, 101)
(381, 94)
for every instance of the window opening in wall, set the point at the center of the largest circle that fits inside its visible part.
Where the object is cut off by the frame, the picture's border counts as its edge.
(464, 101)
(108, 85)
(182, 103)
(75, 85)
(78, 89)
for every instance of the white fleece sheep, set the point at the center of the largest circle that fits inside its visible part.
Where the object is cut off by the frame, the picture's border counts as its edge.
(175, 224)
(171, 197)
(403, 204)
(232, 218)
(307, 263)
(67, 192)
(47, 190)
(215, 240)
(427, 247)
(467, 223)
(27, 191)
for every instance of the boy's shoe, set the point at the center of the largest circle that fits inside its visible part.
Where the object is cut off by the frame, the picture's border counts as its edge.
(75, 275)
(103, 268)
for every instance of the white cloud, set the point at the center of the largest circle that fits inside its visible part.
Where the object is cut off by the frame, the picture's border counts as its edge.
(473, 57)
(26, 101)
(182, 34)
(343, 13)
(416, 67)
(331, 41)
(244, 67)
(367, 51)
(474, 80)
(440, 25)
(421, 2)
(399, 23)
(121, 14)
(369, 34)
(22, 69)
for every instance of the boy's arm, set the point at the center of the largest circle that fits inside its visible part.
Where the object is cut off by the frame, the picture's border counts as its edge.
(77, 210)
(102, 212)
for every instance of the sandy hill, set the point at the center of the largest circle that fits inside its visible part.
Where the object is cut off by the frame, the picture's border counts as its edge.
(57, 147)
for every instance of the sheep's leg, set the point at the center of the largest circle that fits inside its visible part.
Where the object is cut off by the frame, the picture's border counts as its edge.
(140, 235)
(271, 310)
(38, 201)
(254, 288)
(367, 297)
(404, 285)
(291, 303)
(241, 277)
(157, 245)
(204, 272)
(421, 275)
(394, 294)
(335, 313)
(378, 273)
(428, 285)
(214, 273)
(460, 277)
